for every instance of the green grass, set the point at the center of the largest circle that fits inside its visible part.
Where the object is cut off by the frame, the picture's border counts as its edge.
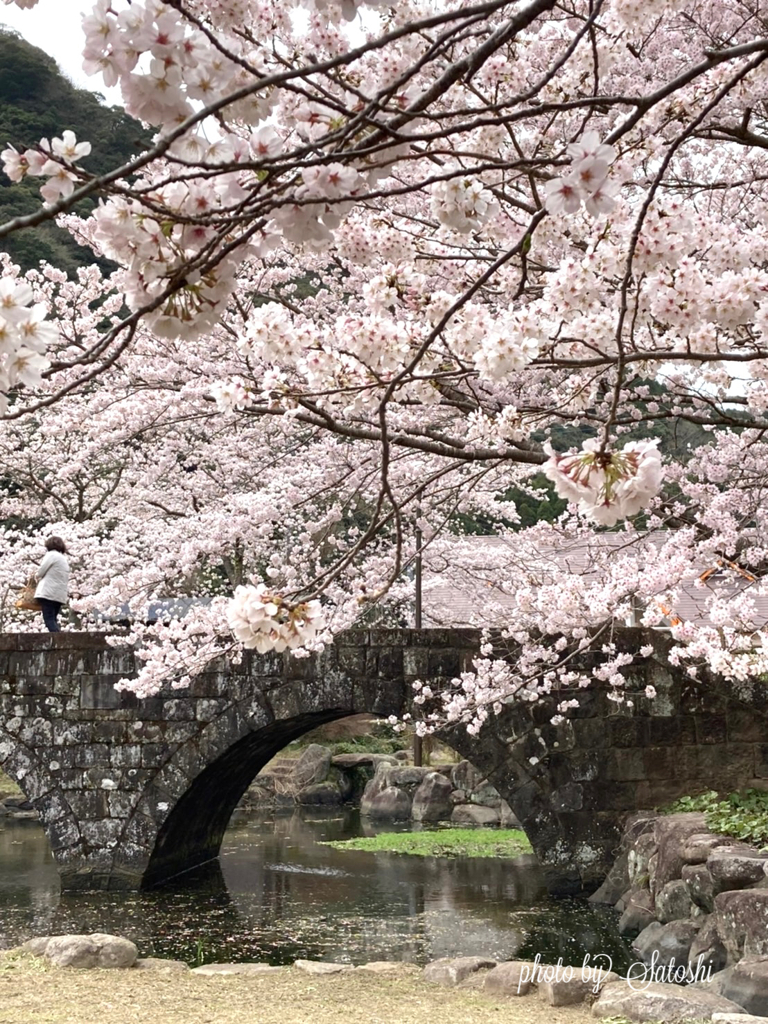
(447, 842)
(8, 787)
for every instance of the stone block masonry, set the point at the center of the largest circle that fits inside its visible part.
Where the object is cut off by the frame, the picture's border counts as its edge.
(133, 792)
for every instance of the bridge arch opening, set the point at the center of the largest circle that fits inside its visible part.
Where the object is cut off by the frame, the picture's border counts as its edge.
(193, 831)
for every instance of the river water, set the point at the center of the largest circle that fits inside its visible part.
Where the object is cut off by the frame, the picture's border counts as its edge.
(278, 894)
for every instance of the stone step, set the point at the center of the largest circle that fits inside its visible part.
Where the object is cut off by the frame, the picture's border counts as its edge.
(276, 772)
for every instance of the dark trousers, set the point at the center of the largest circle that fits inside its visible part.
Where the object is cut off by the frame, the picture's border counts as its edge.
(51, 611)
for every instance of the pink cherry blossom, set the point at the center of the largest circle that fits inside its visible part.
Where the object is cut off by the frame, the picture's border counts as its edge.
(369, 277)
(563, 194)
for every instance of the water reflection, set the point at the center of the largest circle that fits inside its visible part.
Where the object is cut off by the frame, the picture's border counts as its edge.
(277, 894)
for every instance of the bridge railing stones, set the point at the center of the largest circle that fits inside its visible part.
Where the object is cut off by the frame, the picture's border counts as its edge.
(135, 791)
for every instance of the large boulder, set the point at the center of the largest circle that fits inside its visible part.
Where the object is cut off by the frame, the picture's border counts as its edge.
(374, 786)
(312, 766)
(615, 883)
(512, 978)
(72, 951)
(114, 951)
(432, 799)
(742, 922)
(383, 759)
(638, 913)
(666, 943)
(453, 970)
(746, 983)
(347, 761)
(700, 885)
(673, 902)
(486, 795)
(320, 794)
(155, 963)
(659, 1001)
(388, 804)
(322, 967)
(635, 825)
(465, 776)
(386, 967)
(622, 902)
(474, 814)
(707, 949)
(671, 833)
(735, 867)
(85, 951)
(407, 778)
(37, 946)
(565, 991)
(639, 859)
(699, 846)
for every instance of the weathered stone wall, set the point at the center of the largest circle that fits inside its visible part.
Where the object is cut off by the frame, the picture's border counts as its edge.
(689, 896)
(133, 792)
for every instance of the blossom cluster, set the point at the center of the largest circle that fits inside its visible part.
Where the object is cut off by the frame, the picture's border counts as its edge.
(265, 621)
(607, 486)
(231, 395)
(24, 337)
(462, 203)
(52, 161)
(153, 249)
(587, 182)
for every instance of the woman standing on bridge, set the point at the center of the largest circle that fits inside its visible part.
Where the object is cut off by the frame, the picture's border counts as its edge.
(53, 586)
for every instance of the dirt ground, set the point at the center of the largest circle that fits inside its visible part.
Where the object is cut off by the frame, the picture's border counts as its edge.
(33, 993)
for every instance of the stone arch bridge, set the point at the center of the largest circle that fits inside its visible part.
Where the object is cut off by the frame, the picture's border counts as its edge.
(134, 792)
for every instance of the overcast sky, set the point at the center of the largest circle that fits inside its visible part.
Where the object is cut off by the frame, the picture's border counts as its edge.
(54, 26)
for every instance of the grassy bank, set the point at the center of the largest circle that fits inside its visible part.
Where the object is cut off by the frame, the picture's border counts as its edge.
(446, 842)
(8, 787)
(30, 993)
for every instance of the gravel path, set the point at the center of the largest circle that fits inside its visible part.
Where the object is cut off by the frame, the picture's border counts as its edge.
(33, 993)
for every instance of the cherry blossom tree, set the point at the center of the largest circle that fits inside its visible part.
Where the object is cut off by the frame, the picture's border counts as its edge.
(376, 261)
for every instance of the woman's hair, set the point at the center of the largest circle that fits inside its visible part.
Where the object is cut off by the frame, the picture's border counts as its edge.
(56, 544)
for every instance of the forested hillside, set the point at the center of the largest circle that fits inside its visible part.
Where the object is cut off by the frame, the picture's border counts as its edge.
(37, 101)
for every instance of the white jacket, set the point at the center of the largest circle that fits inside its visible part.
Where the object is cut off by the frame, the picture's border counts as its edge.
(53, 575)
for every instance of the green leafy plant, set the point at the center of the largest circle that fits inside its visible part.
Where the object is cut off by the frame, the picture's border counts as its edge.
(743, 815)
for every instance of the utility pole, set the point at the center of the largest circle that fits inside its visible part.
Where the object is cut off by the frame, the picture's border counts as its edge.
(417, 743)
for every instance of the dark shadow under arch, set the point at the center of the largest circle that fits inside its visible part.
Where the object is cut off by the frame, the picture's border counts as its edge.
(192, 833)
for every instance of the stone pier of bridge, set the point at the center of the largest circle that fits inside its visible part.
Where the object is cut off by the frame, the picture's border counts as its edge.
(133, 792)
